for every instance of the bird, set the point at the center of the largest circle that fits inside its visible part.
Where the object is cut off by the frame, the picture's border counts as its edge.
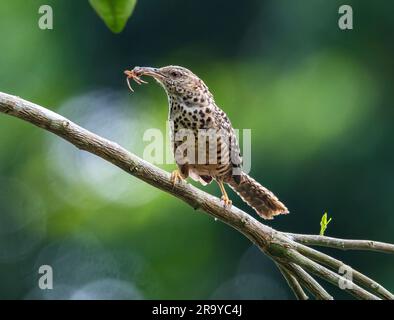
(192, 109)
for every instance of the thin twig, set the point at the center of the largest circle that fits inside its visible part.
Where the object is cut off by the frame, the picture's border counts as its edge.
(330, 276)
(293, 283)
(308, 282)
(343, 244)
(338, 266)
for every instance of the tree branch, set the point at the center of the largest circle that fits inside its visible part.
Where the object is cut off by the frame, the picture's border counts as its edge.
(293, 283)
(294, 259)
(337, 265)
(328, 275)
(343, 244)
(308, 282)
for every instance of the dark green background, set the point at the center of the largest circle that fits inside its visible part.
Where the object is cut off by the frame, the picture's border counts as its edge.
(318, 101)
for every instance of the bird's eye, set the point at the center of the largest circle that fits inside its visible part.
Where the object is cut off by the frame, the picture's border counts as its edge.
(174, 74)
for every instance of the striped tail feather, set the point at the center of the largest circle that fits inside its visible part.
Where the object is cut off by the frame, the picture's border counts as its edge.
(262, 200)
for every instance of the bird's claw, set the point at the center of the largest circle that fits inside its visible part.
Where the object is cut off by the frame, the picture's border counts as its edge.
(176, 177)
(226, 201)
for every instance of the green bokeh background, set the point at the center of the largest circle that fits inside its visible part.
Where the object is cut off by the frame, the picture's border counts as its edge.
(317, 99)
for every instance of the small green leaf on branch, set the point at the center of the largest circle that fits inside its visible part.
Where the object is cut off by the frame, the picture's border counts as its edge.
(324, 223)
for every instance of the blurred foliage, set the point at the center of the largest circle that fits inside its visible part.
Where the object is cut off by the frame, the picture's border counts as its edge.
(114, 13)
(318, 101)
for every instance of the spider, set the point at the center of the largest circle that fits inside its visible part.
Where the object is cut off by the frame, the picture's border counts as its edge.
(132, 74)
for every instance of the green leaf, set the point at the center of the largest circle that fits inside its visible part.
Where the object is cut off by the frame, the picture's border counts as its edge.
(324, 223)
(114, 13)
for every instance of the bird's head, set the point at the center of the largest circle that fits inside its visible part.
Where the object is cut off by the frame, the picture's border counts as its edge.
(176, 81)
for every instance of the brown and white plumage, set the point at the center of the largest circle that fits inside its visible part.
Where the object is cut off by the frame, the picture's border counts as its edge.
(192, 109)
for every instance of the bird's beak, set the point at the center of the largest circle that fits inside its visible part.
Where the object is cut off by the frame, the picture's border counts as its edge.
(145, 71)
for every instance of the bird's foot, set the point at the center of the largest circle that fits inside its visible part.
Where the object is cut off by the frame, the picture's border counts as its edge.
(176, 176)
(226, 201)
